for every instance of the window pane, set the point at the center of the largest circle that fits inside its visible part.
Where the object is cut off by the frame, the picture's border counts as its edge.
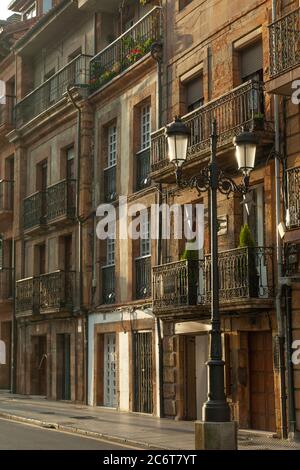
(112, 146)
(47, 5)
(145, 127)
(145, 244)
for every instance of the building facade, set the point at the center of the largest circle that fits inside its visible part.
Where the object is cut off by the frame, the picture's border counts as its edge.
(124, 323)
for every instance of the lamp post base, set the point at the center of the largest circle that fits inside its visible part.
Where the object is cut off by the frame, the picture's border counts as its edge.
(215, 436)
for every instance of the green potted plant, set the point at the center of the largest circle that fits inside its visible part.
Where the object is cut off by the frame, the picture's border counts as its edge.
(247, 241)
(258, 122)
(192, 257)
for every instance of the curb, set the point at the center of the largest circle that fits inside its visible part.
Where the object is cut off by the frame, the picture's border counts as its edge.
(82, 432)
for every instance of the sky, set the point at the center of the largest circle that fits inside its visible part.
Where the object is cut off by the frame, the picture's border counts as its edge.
(4, 13)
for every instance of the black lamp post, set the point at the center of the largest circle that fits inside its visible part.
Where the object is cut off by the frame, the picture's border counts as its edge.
(212, 179)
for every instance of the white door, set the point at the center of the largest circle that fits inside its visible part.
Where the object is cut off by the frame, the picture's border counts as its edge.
(110, 370)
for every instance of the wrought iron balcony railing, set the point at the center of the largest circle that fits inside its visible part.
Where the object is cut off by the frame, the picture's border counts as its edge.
(6, 283)
(61, 200)
(143, 277)
(143, 169)
(126, 50)
(284, 36)
(241, 107)
(6, 195)
(7, 105)
(293, 191)
(27, 296)
(108, 285)
(48, 292)
(76, 72)
(35, 210)
(57, 290)
(244, 274)
(110, 183)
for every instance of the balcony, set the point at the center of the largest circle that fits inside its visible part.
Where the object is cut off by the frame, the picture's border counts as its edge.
(243, 106)
(48, 293)
(143, 277)
(245, 279)
(126, 50)
(6, 199)
(108, 285)
(34, 212)
(143, 169)
(6, 284)
(61, 202)
(7, 113)
(293, 191)
(52, 91)
(110, 184)
(284, 35)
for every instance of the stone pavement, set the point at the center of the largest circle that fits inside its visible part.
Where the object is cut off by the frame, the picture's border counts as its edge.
(138, 430)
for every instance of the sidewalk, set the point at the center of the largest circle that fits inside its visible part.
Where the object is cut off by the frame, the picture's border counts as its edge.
(137, 430)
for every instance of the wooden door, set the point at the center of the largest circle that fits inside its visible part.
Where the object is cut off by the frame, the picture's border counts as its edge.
(262, 397)
(39, 366)
(190, 379)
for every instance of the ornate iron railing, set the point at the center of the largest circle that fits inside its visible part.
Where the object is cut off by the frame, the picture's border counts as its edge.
(52, 90)
(143, 169)
(61, 200)
(6, 283)
(108, 285)
(126, 50)
(110, 183)
(27, 296)
(241, 107)
(7, 105)
(284, 35)
(244, 273)
(35, 210)
(57, 290)
(6, 195)
(293, 191)
(177, 284)
(143, 277)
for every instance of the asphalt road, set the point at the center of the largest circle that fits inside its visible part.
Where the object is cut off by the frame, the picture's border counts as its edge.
(19, 436)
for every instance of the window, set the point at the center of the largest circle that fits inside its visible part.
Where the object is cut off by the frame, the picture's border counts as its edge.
(184, 3)
(194, 93)
(145, 127)
(110, 251)
(1, 252)
(70, 163)
(145, 243)
(251, 62)
(31, 12)
(112, 146)
(75, 54)
(47, 5)
(52, 85)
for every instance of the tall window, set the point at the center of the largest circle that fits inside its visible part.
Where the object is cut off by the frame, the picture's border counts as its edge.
(47, 5)
(110, 252)
(70, 163)
(112, 146)
(145, 127)
(251, 62)
(145, 243)
(194, 93)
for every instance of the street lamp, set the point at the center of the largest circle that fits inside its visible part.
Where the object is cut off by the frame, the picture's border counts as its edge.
(212, 179)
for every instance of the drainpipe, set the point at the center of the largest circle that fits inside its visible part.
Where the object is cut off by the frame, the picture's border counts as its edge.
(290, 371)
(280, 330)
(13, 358)
(157, 55)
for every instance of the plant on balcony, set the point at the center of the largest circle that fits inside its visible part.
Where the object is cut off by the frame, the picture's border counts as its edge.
(247, 241)
(258, 122)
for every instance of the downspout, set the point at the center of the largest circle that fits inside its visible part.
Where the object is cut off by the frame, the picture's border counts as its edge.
(280, 330)
(79, 246)
(13, 358)
(290, 372)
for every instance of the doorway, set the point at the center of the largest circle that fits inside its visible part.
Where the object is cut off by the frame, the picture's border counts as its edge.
(262, 396)
(63, 367)
(143, 380)
(110, 379)
(38, 365)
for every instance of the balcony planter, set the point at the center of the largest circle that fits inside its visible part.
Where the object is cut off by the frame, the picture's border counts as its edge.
(259, 122)
(247, 241)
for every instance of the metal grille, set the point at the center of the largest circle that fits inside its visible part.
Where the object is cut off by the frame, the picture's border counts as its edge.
(131, 46)
(52, 90)
(110, 184)
(143, 169)
(61, 200)
(6, 283)
(284, 36)
(35, 210)
(241, 107)
(108, 285)
(7, 110)
(6, 195)
(143, 388)
(143, 277)
(293, 179)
